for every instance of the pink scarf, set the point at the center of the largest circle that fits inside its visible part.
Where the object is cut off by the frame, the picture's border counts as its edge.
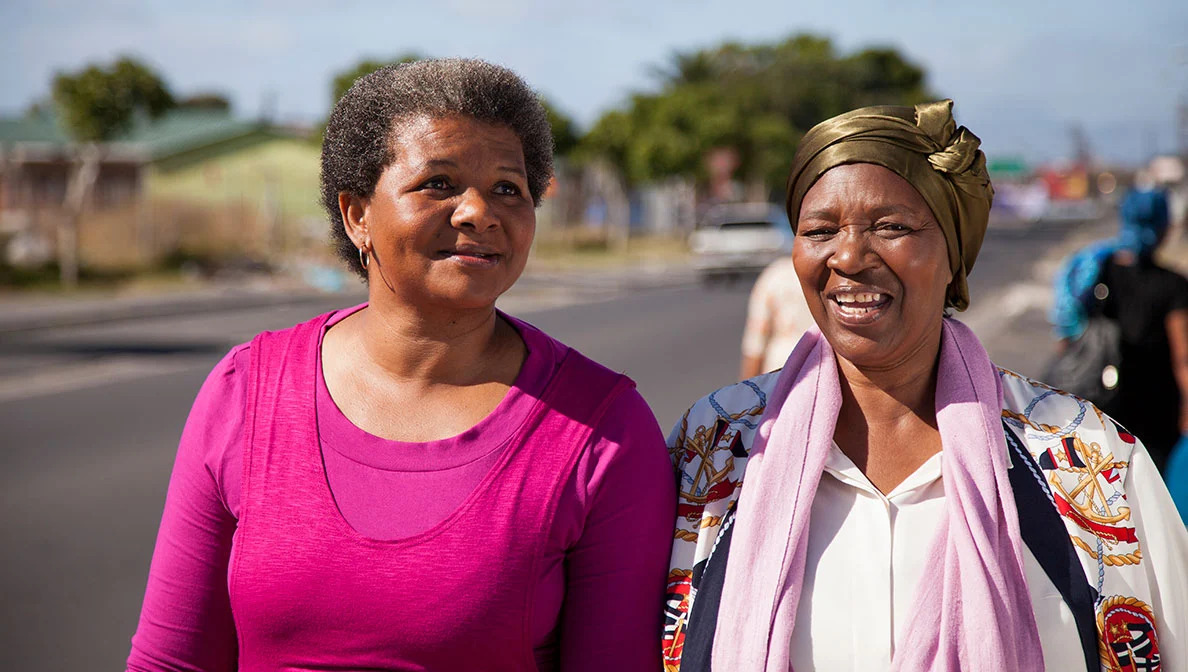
(972, 607)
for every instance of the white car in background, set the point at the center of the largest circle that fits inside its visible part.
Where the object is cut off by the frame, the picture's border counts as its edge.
(733, 239)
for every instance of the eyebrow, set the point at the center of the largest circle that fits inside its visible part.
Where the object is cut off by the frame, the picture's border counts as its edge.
(818, 214)
(437, 163)
(512, 169)
(894, 209)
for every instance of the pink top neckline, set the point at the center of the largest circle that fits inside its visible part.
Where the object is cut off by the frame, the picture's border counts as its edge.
(486, 437)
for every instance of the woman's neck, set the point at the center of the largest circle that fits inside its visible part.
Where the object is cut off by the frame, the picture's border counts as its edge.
(884, 398)
(431, 345)
(887, 422)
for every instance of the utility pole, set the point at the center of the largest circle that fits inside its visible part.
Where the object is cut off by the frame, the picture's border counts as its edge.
(1182, 127)
(1082, 154)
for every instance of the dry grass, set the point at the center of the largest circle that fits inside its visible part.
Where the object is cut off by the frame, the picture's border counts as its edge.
(588, 249)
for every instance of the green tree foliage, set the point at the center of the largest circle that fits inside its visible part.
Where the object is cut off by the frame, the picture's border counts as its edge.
(98, 103)
(756, 99)
(215, 102)
(565, 131)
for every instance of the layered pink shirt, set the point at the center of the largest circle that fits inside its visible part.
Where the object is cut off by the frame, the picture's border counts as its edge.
(594, 593)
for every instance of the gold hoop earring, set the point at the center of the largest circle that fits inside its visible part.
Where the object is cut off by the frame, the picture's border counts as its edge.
(364, 258)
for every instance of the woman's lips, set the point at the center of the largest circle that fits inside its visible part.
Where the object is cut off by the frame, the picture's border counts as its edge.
(472, 258)
(858, 308)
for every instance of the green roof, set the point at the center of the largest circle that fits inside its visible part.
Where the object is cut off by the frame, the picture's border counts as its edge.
(177, 132)
(29, 129)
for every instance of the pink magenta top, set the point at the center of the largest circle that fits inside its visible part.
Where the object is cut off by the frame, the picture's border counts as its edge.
(537, 538)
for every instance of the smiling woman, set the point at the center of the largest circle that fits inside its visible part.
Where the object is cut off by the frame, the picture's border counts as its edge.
(450, 218)
(907, 505)
(873, 264)
(421, 481)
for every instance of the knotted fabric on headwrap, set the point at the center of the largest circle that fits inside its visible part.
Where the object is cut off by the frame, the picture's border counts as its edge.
(924, 146)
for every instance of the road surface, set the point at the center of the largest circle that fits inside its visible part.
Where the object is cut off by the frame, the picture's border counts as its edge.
(90, 418)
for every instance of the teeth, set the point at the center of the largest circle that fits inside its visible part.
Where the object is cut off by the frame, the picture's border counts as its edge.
(863, 297)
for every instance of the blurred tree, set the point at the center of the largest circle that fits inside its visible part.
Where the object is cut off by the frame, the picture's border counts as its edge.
(38, 108)
(96, 105)
(344, 79)
(565, 132)
(205, 101)
(754, 99)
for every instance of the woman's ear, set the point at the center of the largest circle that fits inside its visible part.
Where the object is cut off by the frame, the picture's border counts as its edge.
(354, 218)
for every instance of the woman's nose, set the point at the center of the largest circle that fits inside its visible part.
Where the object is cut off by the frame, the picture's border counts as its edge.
(851, 253)
(474, 212)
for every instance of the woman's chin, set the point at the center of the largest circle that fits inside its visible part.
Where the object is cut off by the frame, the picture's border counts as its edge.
(470, 300)
(865, 345)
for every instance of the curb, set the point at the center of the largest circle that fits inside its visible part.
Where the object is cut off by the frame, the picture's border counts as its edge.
(57, 313)
(165, 305)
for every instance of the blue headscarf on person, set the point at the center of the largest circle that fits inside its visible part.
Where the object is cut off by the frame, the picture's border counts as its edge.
(1144, 217)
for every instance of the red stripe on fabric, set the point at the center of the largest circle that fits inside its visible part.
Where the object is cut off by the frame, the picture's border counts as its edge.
(1108, 532)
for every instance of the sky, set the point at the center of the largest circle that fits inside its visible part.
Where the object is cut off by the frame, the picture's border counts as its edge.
(1022, 73)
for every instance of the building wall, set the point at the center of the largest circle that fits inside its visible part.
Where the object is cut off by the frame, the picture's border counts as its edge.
(280, 173)
(42, 184)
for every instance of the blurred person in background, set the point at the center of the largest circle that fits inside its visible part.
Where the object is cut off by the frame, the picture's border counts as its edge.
(1119, 280)
(777, 317)
(421, 481)
(891, 499)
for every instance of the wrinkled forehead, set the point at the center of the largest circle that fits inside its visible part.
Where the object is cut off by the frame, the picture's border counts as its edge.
(859, 186)
(421, 135)
(862, 189)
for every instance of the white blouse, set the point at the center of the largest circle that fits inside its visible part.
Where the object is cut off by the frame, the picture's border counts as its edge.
(866, 554)
(866, 551)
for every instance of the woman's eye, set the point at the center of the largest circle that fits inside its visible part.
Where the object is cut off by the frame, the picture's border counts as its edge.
(436, 183)
(818, 233)
(893, 227)
(507, 189)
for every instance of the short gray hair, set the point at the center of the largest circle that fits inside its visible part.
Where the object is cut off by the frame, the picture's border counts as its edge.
(358, 142)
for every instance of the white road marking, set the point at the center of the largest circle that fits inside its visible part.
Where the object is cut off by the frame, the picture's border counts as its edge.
(91, 374)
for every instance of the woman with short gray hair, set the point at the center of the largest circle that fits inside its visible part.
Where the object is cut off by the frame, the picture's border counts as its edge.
(421, 481)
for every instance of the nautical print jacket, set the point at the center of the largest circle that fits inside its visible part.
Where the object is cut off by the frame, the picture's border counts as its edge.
(1076, 460)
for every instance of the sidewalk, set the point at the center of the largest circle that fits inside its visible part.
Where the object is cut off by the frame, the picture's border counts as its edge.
(22, 313)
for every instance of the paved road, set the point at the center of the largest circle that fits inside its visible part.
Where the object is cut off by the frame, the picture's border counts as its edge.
(90, 417)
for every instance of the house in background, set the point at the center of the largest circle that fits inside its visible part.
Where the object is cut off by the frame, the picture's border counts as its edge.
(195, 179)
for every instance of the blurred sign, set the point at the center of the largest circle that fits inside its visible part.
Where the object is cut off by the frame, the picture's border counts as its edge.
(1066, 184)
(1009, 168)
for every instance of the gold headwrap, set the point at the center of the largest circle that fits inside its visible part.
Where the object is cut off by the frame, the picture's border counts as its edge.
(923, 146)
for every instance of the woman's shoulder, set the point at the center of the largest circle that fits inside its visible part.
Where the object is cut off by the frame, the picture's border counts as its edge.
(729, 416)
(1046, 416)
(579, 364)
(710, 444)
(306, 330)
(227, 380)
(1085, 459)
